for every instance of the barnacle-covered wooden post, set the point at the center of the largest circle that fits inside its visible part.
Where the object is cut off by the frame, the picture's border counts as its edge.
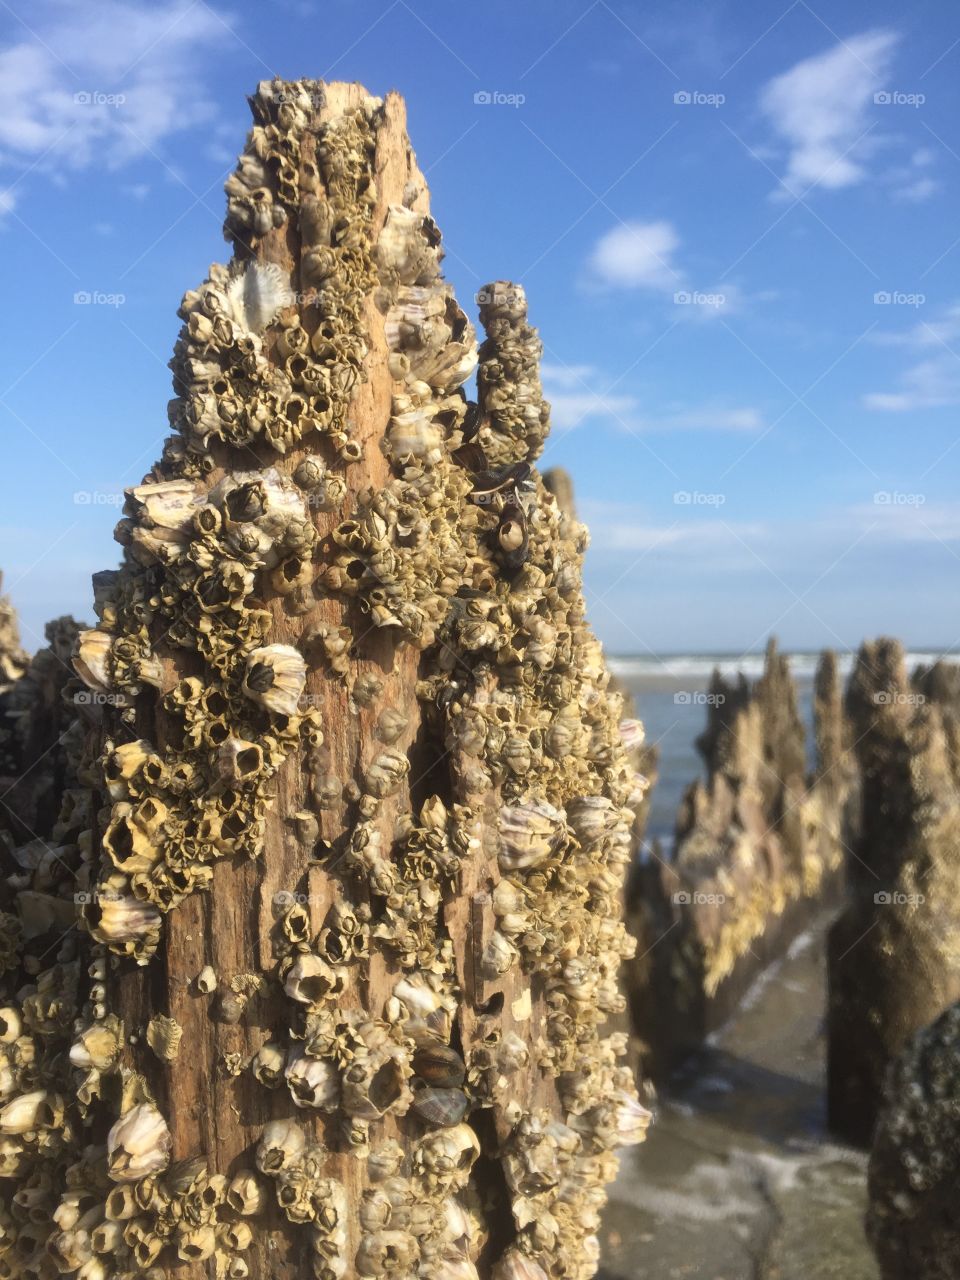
(352, 895)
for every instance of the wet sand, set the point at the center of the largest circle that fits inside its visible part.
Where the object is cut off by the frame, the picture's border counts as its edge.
(738, 1179)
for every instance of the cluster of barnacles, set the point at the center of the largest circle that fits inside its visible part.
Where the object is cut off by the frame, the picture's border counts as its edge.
(463, 553)
(236, 384)
(195, 563)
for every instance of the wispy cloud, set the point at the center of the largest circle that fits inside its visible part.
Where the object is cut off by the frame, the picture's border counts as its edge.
(102, 83)
(577, 395)
(931, 381)
(698, 532)
(820, 109)
(929, 384)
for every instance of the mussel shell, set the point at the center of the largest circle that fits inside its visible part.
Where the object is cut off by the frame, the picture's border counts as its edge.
(438, 1065)
(441, 1107)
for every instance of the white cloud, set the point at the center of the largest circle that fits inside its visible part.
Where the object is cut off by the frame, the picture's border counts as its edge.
(918, 191)
(697, 539)
(704, 532)
(931, 382)
(104, 83)
(577, 395)
(820, 107)
(566, 375)
(707, 417)
(643, 255)
(939, 331)
(637, 255)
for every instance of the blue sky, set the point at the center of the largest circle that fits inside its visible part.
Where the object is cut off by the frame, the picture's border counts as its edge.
(736, 224)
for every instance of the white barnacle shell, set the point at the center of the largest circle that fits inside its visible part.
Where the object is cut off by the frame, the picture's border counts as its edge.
(258, 295)
(239, 760)
(11, 1024)
(312, 981)
(402, 246)
(246, 1194)
(268, 1064)
(425, 1005)
(412, 432)
(499, 955)
(382, 1252)
(313, 1082)
(385, 1162)
(515, 1265)
(98, 1046)
(166, 504)
(264, 506)
(632, 734)
(138, 1144)
(376, 1084)
(206, 980)
(632, 1120)
(386, 773)
(196, 1244)
(23, 1113)
(275, 677)
(530, 833)
(91, 662)
(126, 920)
(446, 1156)
(281, 1146)
(128, 845)
(592, 818)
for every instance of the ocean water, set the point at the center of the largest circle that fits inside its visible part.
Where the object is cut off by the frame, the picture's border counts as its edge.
(670, 693)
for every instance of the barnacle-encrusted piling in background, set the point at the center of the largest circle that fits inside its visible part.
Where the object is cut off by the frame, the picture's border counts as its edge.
(13, 659)
(759, 848)
(41, 740)
(894, 953)
(350, 890)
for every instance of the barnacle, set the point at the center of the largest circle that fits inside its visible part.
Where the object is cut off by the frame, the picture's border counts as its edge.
(138, 1144)
(313, 1082)
(257, 295)
(275, 677)
(530, 833)
(164, 1036)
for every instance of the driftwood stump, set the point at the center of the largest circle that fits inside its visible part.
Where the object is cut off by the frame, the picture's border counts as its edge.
(349, 877)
